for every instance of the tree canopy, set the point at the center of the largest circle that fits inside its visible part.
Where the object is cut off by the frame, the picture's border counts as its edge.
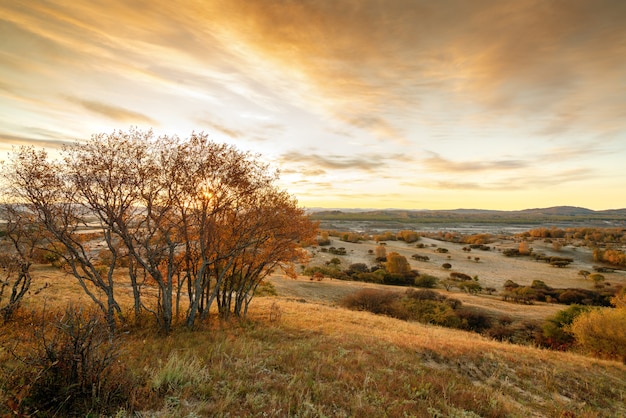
(201, 222)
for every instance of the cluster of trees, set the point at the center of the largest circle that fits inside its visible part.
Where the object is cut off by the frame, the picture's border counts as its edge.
(465, 283)
(390, 268)
(610, 256)
(473, 239)
(202, 223)
(425, 306)
(406, 235)
(554, 261)
(587, 234)
(334, 250)
(598, 331)
(540, 291)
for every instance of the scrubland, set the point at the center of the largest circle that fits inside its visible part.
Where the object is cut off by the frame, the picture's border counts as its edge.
(300, 354)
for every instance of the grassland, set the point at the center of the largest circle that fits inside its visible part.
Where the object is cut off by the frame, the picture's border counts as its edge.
(299, 355)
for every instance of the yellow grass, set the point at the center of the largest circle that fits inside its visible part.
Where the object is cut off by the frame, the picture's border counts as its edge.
(297, 358)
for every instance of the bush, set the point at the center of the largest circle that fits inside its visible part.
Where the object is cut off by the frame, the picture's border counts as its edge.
(325, 272)
(602, 333)
(70, 367)
(426, 281)
(473, 319)
(555, 331)
(357, 268)
(460, 276)
(371, 300)
(428, 312)
(470, 287)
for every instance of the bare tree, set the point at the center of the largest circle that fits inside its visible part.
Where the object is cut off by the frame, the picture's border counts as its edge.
(189, 217)
(22, 238)
(51, 196)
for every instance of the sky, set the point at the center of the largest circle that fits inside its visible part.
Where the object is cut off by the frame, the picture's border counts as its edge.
(412, 104)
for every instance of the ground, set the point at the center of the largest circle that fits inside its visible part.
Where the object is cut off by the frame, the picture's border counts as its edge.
(492, 269)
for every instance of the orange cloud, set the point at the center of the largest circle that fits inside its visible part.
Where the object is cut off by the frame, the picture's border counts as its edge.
(362, 58)
(113, 112)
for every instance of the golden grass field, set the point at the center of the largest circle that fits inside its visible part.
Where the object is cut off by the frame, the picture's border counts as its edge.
(300, 354)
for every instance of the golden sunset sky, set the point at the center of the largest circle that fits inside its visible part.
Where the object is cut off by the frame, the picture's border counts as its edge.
(360, 103)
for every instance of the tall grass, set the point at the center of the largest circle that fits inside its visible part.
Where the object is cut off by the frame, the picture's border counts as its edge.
(315, 360)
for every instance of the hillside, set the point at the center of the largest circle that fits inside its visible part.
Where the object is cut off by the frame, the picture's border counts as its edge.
(299, 354)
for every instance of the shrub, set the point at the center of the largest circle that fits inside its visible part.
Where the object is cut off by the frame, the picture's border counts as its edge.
(358, 268)
(539, 284)
(460, 276)
(428, 312)
(473, 319)
(602, 332)
(325, 271)
(470, 286)
(510, 284)
(555, 330)
(71, 367)
(371, 300)
(426, 281)
(265, 288)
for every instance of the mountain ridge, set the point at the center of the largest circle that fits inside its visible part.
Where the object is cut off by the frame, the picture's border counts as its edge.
(569, 214)
(554, 210)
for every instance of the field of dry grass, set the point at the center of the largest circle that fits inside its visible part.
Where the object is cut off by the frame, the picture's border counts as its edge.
(299, 354)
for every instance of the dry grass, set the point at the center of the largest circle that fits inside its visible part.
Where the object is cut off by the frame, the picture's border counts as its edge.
(292, 358)
(325, 361)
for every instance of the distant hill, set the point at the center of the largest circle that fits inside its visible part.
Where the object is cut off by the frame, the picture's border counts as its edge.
(526, 216)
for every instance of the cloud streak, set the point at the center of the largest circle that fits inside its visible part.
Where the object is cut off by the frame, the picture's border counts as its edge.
(511, 183)
(16, 140)
(438, 164)
(367, 163)
(116, 113)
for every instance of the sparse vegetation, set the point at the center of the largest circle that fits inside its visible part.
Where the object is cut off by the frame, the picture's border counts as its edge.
(296, 358)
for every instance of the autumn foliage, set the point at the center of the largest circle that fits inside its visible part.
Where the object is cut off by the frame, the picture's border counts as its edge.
(201, 223)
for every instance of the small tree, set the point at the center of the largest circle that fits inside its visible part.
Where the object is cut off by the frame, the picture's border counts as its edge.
(524, 248)
(323, 239)
(597, 279)
(380, 253)
(426, 281)
(555, 329)
(446, 266)
(602, 332)
(335, 261)
(23, 236)
(397, 264)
